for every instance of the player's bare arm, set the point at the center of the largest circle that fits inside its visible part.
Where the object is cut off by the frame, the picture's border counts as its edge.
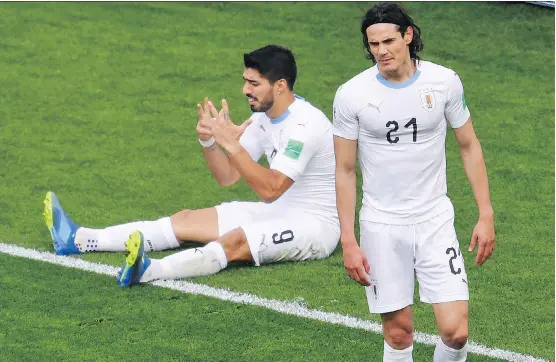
(217, 161)
(355, 262)
(267, 183)
(474, 165)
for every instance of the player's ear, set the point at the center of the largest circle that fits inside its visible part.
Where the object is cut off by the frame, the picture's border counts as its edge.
(408, 35)
(281, 86)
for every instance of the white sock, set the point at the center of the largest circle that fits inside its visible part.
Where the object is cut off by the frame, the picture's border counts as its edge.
(398, 355)
(443, 353)
(158, 235)
(196, 262)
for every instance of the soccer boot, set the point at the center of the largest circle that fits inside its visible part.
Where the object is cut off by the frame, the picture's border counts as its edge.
(136, 261)
(62, 229)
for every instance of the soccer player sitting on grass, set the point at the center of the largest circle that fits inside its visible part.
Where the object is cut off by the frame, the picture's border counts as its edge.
(297, 219)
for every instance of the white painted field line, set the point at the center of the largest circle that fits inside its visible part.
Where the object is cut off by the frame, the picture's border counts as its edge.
(286, 307)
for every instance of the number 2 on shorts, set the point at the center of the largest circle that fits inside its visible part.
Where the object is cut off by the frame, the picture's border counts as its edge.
(454, 256)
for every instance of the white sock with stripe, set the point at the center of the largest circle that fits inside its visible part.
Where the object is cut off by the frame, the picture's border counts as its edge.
(158, 235)
(196, 262)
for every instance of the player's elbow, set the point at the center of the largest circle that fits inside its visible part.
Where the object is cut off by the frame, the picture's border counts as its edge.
(271, 193)
(345, 170)
(228, 180)
(470, 147)
(225, 183)
(270, 196)
(273, 188)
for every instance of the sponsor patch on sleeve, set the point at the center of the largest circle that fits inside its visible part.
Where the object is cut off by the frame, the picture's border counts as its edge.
(293, 150)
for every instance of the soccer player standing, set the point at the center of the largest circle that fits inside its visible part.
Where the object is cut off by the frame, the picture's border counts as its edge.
(394, 116)
(296, 219)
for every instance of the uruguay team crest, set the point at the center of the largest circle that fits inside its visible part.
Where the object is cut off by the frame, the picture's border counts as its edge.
(428, 100)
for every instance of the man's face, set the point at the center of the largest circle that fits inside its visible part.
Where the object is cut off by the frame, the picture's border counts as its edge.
(258, 90)
(388, 46)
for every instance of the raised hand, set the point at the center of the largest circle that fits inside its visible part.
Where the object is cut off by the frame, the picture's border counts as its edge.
(225, 132)
(203, 122)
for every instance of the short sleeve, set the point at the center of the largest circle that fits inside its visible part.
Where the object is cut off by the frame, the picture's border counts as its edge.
(456, 111)
(345, 122)
(301, 145)
(250, 140)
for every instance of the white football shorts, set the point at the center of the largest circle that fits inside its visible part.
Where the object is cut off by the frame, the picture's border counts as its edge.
(276, 233)
(397, 254)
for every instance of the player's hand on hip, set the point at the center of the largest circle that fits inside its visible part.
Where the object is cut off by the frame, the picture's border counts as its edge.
(484, 236)
(356, 264)
(204, 121)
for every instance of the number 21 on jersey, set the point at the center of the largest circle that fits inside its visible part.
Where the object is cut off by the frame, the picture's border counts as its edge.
(394, 127)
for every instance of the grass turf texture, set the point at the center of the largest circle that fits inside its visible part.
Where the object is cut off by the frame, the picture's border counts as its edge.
(98, 104)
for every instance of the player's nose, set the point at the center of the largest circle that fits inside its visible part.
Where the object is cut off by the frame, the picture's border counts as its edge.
(246, 89)
(382, 50)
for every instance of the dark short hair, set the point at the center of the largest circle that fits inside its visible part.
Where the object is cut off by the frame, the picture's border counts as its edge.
(274, 62)
(391, 13)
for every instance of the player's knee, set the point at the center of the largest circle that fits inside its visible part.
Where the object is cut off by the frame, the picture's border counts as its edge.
(455, 337)
(398, 337)
(235, 245)
(398, 328)
(180, 217)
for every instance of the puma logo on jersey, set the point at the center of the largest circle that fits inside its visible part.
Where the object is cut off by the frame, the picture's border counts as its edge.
(261, 127)
(377, 107)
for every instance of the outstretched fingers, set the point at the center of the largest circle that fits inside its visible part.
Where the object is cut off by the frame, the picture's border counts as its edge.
(244, 126)
(225, 111)
(213, 110)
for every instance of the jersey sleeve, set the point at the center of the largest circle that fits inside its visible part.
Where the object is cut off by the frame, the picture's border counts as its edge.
(250, 140)
(301, 145)
(345, 122)
(456, 111)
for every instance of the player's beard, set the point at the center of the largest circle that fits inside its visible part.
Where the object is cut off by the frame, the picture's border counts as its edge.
(265, 104)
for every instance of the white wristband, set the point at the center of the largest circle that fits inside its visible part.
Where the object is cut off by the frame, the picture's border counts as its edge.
(208, 143)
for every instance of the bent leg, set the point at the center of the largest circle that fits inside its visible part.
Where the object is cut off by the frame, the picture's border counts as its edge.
(196, 225)
(203, 261)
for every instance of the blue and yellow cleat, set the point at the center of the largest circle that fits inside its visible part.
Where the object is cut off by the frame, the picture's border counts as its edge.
(61, 228)
(136, 261)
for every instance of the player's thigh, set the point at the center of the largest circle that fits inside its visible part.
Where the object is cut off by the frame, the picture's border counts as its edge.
(233, 214)
(389, 251)
(439, 264)
(296, 236)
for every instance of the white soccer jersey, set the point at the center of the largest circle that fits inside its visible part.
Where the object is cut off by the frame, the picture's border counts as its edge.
(300, 145)
(401, 132)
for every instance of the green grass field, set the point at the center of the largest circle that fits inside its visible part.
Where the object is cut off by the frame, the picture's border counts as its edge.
(97, 103)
